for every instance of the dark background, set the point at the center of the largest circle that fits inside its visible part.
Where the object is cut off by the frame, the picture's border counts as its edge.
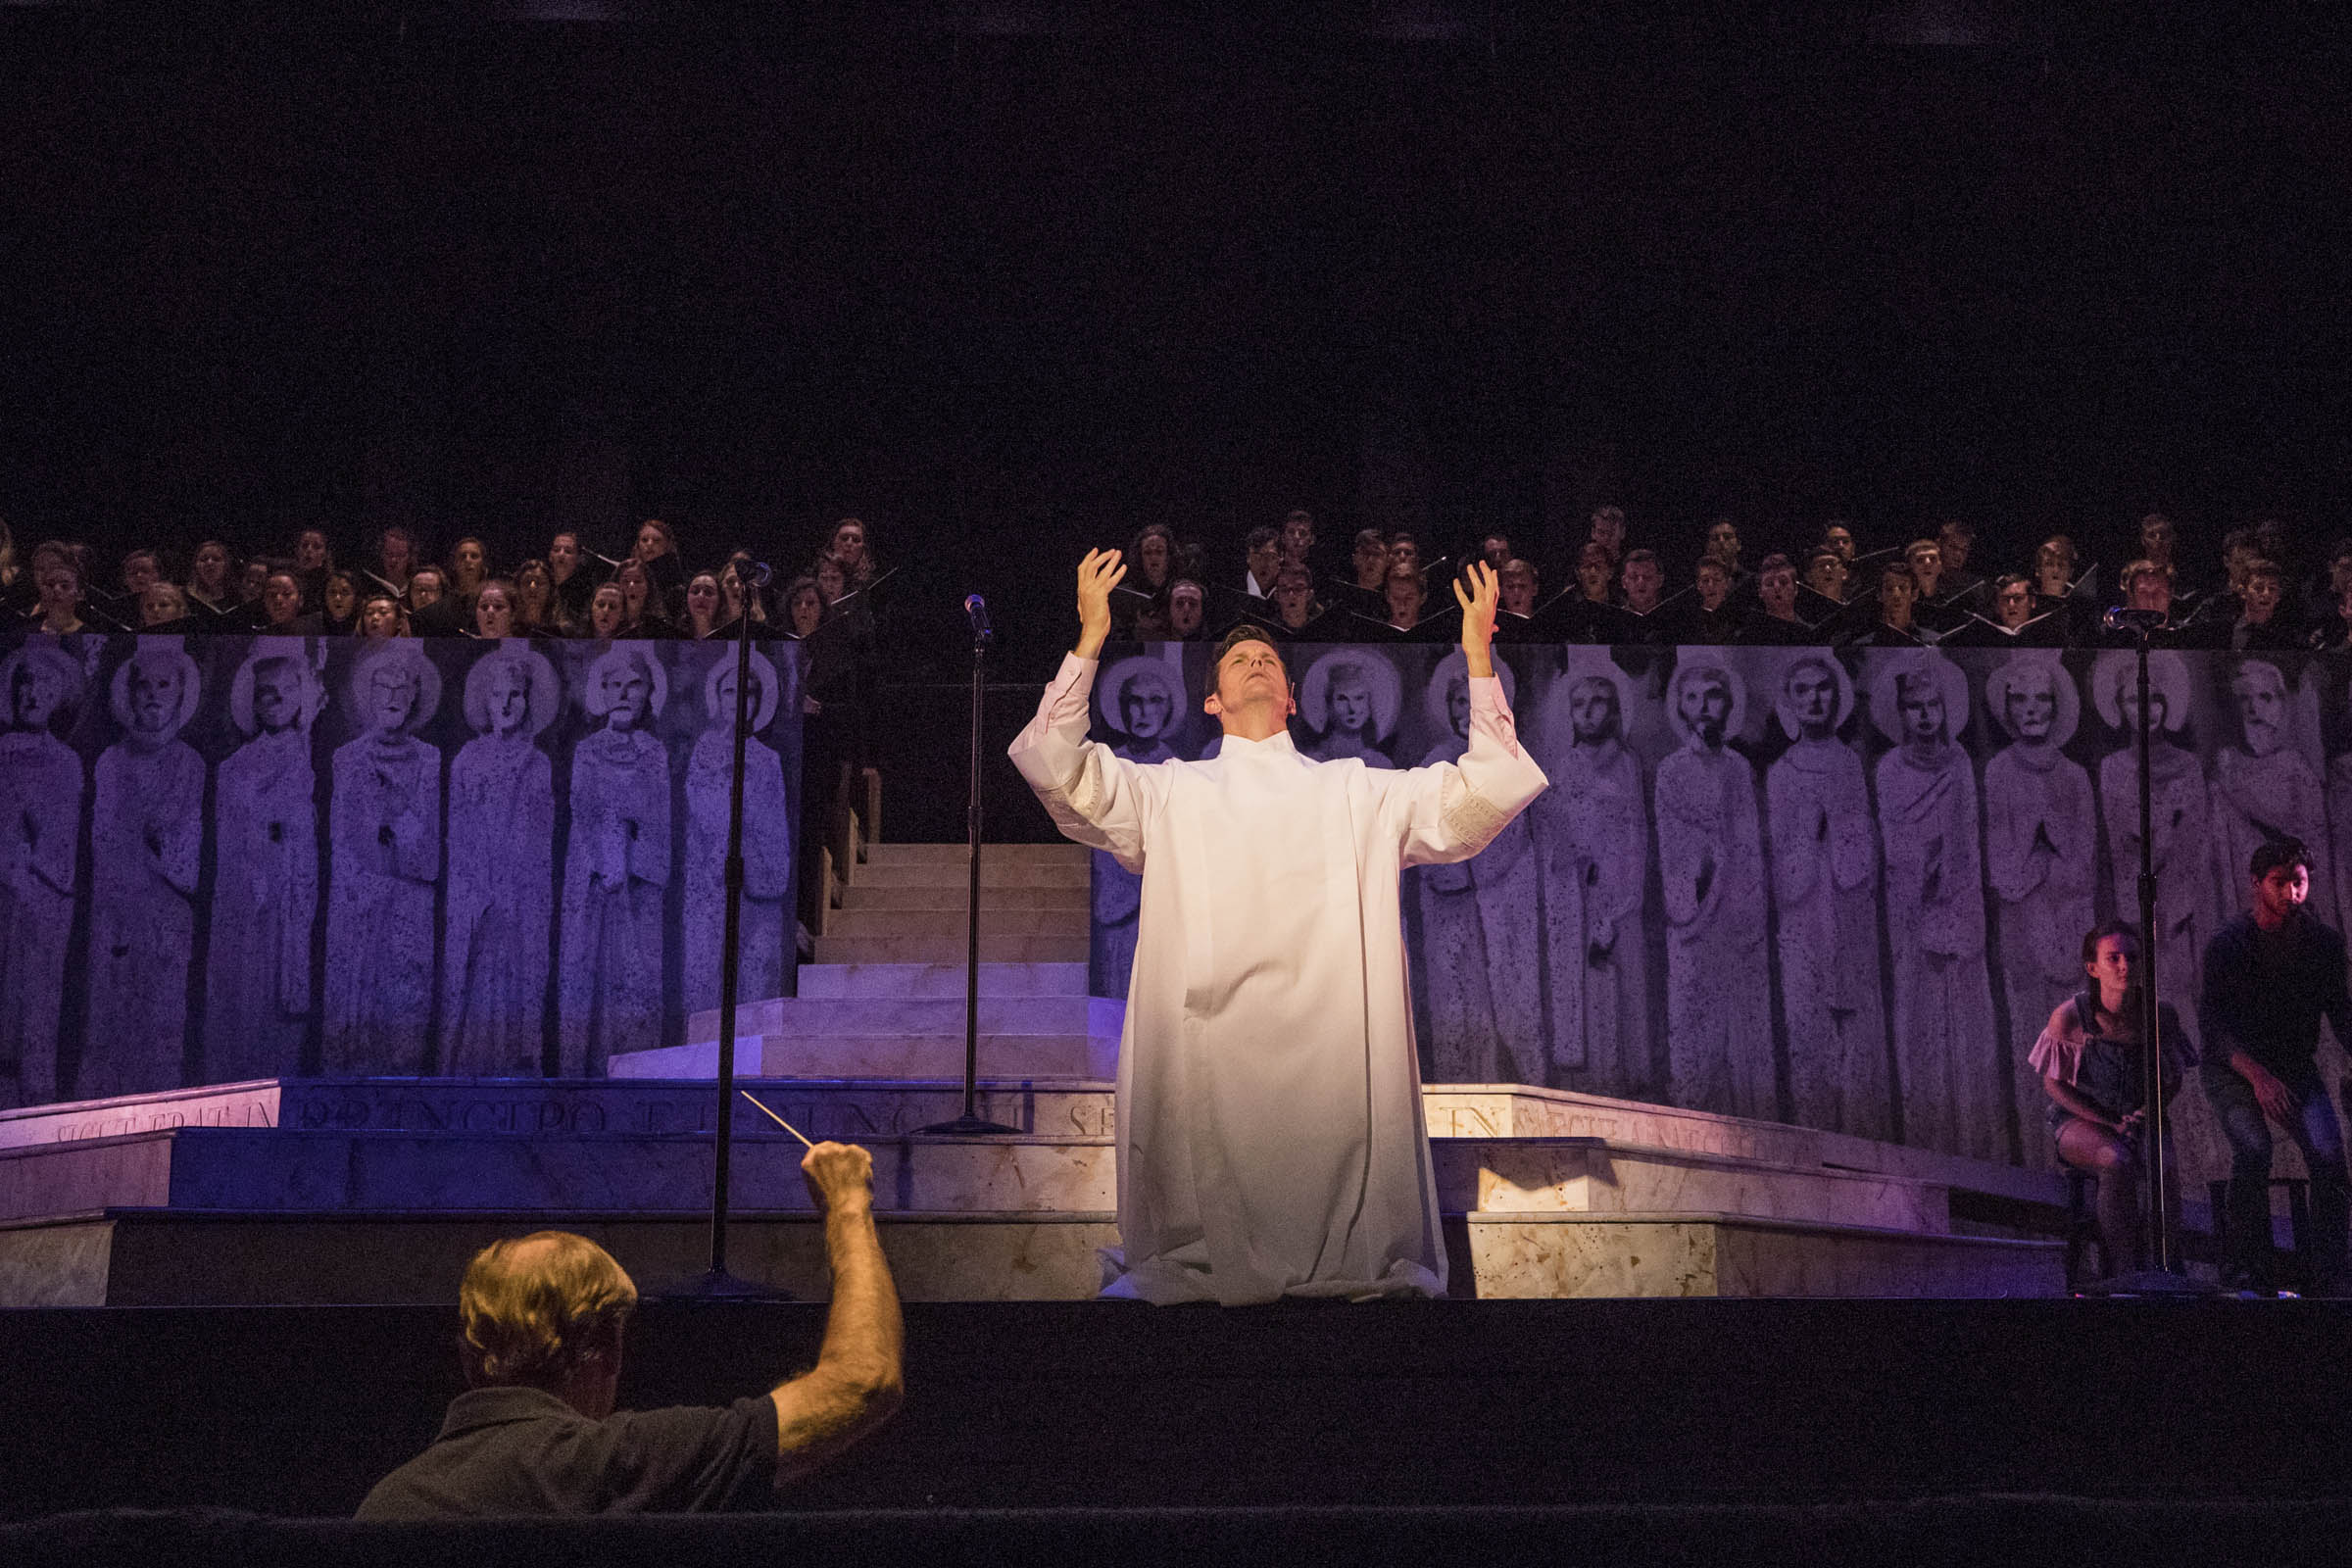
(1005, 278)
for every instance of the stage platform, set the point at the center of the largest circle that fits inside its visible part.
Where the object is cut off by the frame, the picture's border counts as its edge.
(377, 1190)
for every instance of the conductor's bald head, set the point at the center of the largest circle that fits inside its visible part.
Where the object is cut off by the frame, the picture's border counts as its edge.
(546, 1310)
(1249, 687)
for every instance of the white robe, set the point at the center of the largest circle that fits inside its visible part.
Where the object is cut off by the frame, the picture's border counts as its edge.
(1270, 1140)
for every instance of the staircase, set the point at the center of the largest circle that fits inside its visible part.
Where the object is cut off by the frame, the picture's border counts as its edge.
(885, 998)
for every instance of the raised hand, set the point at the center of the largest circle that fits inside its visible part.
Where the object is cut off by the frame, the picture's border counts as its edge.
(1098, 574)
(839, 1175)
(1477, 615)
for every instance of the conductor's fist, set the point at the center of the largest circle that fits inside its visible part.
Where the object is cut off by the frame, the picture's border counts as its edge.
(839, 1175)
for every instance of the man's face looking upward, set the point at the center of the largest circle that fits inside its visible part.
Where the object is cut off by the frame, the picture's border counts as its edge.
(1254, 693)
(1778, 589)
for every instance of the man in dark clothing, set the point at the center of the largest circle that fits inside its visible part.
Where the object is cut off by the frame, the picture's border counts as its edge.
(535, 1433)
(2270, 976)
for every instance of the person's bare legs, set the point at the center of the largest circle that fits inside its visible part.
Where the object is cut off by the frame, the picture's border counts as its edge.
(2115, 1165)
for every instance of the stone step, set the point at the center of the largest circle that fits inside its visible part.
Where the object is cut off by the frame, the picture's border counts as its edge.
(934, 981)
(869, 1102)
(252, 1170)
(1519, 1110)
(862, 1102)
(864, 896)
(993, 874)
(135, 1257)
(1059, 1056)
(1633, 1254)
(1591, 1175)
(261, 1169)
(889, 1017)
(958, 854)
(1003, 947)
(844, 1107)
(1070, 921)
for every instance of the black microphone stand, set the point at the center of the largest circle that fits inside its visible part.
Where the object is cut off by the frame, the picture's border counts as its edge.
(972, 1122)
(2162, 1277)
(715, 1283)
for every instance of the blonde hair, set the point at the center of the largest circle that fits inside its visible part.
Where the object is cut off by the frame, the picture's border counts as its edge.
(534, 1306)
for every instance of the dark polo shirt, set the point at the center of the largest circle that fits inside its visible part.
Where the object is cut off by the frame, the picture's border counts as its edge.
(515, 1451)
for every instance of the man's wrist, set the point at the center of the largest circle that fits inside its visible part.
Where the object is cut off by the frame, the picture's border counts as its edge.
(1479, 659)
(1090, 642)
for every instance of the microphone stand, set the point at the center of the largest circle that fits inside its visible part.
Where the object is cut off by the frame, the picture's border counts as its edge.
(971, 1123)
(715, 1283)
(2162, 1277)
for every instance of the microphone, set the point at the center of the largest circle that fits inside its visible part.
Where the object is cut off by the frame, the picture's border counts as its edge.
(756, 573)
(2125, 618)
(975, 610)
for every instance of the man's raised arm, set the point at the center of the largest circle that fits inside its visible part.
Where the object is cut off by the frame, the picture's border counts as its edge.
(1088, 792)
(858, 1380)
(1457, 807)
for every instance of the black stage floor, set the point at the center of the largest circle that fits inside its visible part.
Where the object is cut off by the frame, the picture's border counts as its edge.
(1479, 1405)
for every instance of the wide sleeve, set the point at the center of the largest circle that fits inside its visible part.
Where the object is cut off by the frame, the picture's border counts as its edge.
(1095, 797)
(1450, 810)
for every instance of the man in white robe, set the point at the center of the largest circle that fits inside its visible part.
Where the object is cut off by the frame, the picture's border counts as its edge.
(1270, 1139)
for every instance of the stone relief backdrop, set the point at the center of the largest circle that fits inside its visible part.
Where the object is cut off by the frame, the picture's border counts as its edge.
(239, 857)
(1842, 890)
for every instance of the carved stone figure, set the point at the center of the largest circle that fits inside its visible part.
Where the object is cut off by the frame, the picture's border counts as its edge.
(1953, 1082)
(1140, 700)
(384, 861)
(1480, 946)
(146, 837)
(1711, 870)
(615, 867)
(1825, 864)
(766, 924)
(1591, 832)
(501, 847)
(2180, 830)
(1349, 698)
(41, 784)
(2262, 788)
(258, 1001)
(2041, 850)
